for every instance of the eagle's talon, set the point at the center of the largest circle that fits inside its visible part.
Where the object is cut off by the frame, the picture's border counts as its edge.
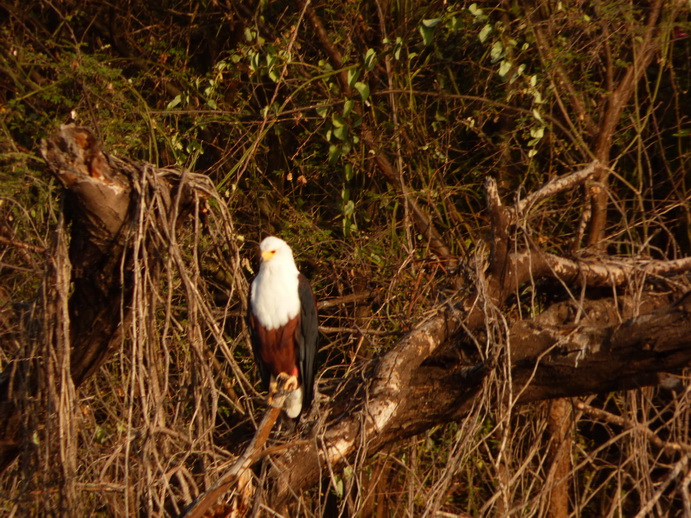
(280, 388)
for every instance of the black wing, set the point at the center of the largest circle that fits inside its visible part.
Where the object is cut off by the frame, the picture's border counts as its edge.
(307, 336)
(256, 346)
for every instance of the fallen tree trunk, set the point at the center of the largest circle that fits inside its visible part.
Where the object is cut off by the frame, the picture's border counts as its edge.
(549, 362)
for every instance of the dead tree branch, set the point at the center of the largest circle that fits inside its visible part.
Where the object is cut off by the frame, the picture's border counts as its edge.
(238, 476)
(412, 387)
(404, 399)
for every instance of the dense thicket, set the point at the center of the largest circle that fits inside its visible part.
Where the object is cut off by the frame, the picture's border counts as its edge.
(364, 133)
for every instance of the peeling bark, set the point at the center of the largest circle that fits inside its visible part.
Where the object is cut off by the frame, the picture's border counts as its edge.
(567, 363)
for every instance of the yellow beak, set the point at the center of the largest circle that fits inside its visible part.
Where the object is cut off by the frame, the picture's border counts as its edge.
(268, 254)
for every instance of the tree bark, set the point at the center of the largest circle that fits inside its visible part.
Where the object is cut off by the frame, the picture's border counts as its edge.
(101, 200)
(401, 401)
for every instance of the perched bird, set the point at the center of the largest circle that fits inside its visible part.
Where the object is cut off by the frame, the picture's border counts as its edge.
(283, 326)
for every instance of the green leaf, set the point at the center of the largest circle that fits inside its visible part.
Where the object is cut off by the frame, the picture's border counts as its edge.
(370, 59)
(176, 100)
(271, 58)
(325, 65)
(334, 153)
(431, 23)
(427, 34)
(537, 133)
(497, 51)
(475, 10)
(363, 90)
(254, 62)
(353, 75)
(339, 487)
(349, 209)
(322, 111)
(338, 121)
(504, 68)
(486, 31)
(478, 13)
(100, 434)
(348, 170)
(341, 133)
(397, 48)
(348, 107)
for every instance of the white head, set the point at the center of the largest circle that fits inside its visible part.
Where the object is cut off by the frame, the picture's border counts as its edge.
(274, 295)
(273, 248)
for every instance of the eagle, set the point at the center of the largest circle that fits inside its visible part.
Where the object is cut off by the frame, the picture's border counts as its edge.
(283, 328)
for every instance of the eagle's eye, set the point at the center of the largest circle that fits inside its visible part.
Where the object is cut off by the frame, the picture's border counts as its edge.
(268, 254)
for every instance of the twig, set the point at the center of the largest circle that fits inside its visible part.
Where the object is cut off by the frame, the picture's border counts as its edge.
(345, 299)
(357, 331)
(633, 426)
(680, 467)
(553, 187)
(253, 451)
(19, 244)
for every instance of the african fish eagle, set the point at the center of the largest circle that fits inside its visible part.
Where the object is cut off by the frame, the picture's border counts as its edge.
(283, 327)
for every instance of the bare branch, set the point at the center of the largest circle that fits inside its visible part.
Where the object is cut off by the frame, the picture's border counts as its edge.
(612, 272)
(553, 187)
(617, 101)
(237, 476)
(500, 223)
(635, 427)
(403, 399)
